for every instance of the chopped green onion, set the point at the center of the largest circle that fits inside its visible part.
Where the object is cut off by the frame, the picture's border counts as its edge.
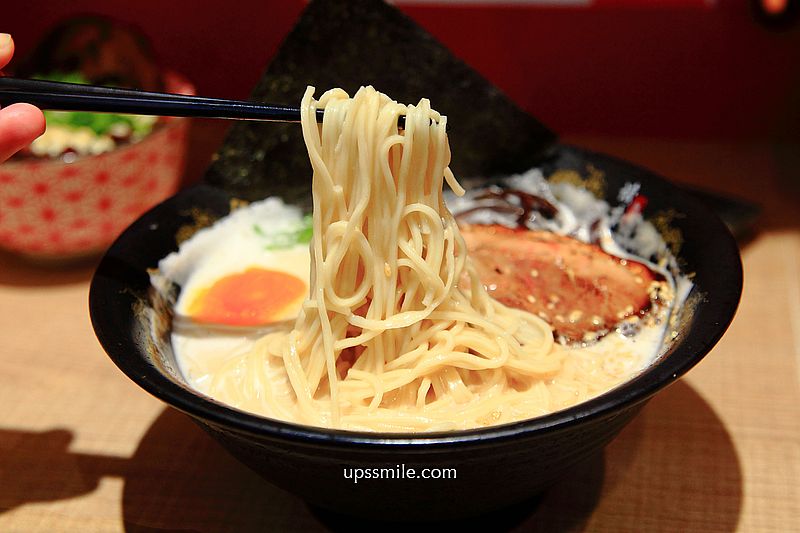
(301, 234)
(99, 123)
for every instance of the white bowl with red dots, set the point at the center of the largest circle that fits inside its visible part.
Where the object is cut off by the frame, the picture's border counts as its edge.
(52, 209)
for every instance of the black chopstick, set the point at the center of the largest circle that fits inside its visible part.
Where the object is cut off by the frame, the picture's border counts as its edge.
(60, 87)
(60, 96)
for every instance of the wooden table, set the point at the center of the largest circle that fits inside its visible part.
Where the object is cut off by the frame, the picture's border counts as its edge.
(84, 449)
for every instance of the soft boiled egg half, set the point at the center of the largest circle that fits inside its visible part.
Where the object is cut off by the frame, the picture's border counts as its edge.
(258, 295)
(249, 269)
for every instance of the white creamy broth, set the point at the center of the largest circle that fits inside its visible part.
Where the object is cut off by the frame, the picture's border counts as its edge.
(202, 352)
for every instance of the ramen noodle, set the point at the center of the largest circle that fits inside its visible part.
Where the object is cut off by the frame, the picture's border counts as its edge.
(395, 330)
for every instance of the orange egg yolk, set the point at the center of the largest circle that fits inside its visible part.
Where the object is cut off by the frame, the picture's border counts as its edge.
(255, 296)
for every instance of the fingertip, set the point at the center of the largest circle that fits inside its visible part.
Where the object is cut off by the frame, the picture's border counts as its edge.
(34, 117)
(6, 49)
(26, 119)
(20, 124)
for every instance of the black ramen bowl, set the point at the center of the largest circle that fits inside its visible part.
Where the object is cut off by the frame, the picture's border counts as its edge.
(495, 466)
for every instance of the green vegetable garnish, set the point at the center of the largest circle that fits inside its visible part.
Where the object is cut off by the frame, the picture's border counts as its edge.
(302, 234)
(99, 123)
(64, 77)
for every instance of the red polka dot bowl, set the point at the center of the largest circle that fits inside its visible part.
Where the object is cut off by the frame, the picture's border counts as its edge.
(54, 210)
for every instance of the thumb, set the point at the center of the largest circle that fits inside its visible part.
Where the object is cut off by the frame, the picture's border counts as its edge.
(20, 124)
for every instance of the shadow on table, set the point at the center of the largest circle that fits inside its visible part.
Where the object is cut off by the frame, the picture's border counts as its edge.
(38, 467)
(19, 272)
(674, 467)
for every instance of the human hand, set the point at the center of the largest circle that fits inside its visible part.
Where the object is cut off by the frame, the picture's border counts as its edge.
(20, 124)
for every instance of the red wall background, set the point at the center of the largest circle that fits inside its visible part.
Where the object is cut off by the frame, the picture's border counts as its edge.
(677, 69)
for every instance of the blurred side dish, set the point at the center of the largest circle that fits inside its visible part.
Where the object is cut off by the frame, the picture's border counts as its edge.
(91, 174)
(92, 50)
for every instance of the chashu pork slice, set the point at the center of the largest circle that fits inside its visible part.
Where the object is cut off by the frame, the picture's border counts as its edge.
(580, 290)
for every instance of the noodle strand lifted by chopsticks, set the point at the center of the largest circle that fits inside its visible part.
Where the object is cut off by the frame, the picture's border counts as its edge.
(387, 339)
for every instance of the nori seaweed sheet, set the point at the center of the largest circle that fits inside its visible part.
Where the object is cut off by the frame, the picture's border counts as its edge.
(368, 42)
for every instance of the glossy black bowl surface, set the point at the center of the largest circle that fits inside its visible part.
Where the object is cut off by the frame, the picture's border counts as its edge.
(494, 467)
